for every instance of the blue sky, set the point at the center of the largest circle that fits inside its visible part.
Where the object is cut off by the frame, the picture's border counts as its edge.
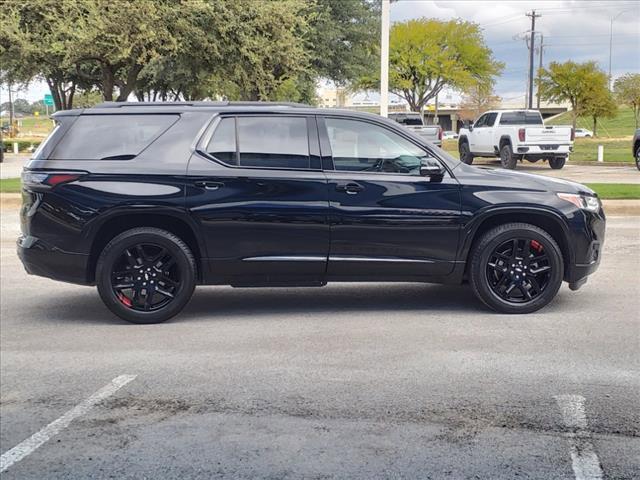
(572, 29)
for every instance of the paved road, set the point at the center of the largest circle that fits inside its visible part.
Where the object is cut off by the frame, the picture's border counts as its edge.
(347, 381)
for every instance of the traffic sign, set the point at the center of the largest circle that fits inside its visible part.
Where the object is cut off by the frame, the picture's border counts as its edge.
(48, 100)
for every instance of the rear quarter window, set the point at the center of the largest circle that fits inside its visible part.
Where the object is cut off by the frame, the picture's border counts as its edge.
(111, 137)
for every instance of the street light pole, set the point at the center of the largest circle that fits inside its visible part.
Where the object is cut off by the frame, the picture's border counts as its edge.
(384, 60)
(611, 42)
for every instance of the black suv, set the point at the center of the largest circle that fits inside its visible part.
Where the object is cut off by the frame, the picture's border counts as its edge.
(147, 200)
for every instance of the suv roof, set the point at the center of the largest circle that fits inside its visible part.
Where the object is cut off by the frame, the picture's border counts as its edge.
(179, 107)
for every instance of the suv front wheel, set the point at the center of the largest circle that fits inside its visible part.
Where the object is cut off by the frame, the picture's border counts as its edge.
(146, 275)
(516, 268)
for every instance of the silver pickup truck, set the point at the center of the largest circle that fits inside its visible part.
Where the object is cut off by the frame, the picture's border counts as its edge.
(414, 122)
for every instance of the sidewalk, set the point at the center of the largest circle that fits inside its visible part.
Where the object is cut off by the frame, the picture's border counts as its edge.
(12, 165)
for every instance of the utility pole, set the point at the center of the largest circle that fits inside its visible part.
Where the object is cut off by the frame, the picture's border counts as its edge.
(533, 16)
(384, 60)
(540, 68)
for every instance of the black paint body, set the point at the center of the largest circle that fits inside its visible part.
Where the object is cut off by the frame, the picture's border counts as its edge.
(270, 227)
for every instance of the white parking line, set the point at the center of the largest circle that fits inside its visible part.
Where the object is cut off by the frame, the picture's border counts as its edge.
(27, 447)
(586, 465)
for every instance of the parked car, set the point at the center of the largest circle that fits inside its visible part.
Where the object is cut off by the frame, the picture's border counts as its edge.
(449, 135)
(415, 122)
(147, 200)
(583, 132)
(636, 147)
(515, 135)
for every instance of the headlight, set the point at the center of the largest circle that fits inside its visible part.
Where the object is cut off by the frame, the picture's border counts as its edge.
(584, 202)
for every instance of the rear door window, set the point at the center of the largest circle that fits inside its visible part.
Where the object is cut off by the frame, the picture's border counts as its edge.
(273, 142)
(223, 142)
(111, 137)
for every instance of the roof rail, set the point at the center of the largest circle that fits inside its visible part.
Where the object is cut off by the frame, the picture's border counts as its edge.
(201, 104)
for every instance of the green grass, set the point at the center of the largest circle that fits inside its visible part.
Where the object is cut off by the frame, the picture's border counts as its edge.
(616, 191)
(10, 185)
(621, 126)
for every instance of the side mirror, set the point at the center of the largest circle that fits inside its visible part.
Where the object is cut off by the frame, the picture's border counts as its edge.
(430, 167)
(470, 127)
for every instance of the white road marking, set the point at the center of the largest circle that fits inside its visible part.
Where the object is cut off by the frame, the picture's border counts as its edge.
(36, 440)
(586, 465)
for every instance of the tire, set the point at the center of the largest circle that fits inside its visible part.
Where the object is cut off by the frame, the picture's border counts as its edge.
(507, 158)
(465, 153)
(171, 288)
(557, 162)
(486, 272)
(638, 158)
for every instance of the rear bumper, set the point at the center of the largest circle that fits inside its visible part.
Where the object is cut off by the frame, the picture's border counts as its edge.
(544, 151)
(45, 260)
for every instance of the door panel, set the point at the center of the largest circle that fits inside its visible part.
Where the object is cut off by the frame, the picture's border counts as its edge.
(391, 223)
(261, 226)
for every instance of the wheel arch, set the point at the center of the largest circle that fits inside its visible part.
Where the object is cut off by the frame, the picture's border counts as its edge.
(549, 221)
(504, 140)
(120, 221)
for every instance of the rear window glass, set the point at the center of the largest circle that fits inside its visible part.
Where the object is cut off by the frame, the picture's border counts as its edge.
(111, 137)
(521, 118)
(273, 142)
(416, 120)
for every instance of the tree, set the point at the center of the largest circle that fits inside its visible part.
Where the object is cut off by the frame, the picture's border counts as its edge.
(571, 82)
(478, 99)
(627, 91)
(34, 40)
(599, 103)
(426, 55)
(343, 40)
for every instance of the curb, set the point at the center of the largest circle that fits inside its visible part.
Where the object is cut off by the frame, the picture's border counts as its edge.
(611, 207)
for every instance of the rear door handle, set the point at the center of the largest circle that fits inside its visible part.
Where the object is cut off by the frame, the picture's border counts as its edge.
(350, 188)
(209, 185)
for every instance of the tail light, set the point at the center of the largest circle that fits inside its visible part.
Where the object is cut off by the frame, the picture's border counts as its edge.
(573, 134)
(40, 180)
(521, 134)
(439, 133)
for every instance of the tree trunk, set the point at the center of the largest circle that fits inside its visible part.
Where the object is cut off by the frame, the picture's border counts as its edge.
(595, 125)
(107, 83)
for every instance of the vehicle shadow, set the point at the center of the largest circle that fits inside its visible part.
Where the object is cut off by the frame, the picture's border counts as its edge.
(224, 303)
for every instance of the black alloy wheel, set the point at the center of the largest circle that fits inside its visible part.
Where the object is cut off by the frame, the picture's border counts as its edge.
(146, 275)
(465, 153)
(518, 270)
(638, 158)
(507, 158)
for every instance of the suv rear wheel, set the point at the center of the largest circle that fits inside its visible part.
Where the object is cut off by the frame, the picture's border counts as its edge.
(557, 162)
(507, 158)
(516, 268)
(638, 157)
(146, 275)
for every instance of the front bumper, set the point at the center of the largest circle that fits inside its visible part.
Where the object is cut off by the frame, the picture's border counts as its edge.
(45, 260)
(588, 247)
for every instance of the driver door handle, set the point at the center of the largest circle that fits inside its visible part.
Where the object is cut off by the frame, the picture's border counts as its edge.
(351, 188)
(209, 185)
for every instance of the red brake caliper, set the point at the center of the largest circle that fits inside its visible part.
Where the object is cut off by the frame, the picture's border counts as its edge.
(124, 299)
(536, 246)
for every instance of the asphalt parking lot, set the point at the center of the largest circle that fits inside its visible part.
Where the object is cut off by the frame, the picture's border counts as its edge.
(347, 381)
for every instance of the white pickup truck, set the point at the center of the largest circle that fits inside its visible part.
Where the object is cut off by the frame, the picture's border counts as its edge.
(414, 122)
(515, 135)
